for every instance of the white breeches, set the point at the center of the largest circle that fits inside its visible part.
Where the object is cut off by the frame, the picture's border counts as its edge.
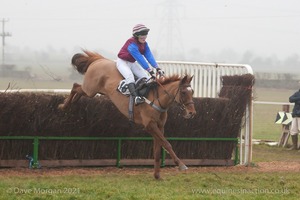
(295, 126)
(131, 70)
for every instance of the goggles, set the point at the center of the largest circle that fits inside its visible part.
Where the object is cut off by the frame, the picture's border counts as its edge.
(142, 33)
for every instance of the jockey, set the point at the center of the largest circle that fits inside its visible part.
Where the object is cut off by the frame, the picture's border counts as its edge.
(133, 60)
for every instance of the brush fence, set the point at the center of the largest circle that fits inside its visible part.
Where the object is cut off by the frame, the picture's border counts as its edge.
(207, 84)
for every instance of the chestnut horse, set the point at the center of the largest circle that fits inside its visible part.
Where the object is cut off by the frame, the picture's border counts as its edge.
(102, 76)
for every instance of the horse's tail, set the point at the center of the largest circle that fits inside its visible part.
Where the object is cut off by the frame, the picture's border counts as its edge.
(81, 62)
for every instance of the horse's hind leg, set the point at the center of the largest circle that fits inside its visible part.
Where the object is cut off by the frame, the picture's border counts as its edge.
(74, 96)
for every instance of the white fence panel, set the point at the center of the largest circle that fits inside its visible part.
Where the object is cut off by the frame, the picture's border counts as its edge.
(207, 82)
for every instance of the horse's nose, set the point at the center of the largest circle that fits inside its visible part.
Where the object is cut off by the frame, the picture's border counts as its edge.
(192, 114)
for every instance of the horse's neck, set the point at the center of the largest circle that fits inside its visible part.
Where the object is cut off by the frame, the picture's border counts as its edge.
(168, 93)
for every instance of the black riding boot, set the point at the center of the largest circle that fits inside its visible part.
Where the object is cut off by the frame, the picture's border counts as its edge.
(137, 99)
(295, 142)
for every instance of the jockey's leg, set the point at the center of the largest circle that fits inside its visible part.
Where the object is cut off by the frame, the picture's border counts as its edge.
(138, 71)
(125, 68)
(137, 99)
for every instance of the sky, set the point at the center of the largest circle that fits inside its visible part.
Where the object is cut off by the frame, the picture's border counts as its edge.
(193, 28)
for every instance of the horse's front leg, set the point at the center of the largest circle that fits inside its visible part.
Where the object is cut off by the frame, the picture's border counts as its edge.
(74, 96)
(153, 129)
(157, 155)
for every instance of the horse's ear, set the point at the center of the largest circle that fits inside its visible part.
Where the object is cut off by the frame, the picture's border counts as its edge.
(187, 79)
(190, 78)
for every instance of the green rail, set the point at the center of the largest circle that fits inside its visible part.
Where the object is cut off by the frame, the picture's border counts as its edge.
(119, 139)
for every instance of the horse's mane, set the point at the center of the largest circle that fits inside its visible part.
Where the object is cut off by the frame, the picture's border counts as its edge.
(93, 55)
(82, 61)
(168, 79)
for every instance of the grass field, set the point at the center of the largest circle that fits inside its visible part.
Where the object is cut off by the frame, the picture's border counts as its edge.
(220, 185)
(15, 83)
(237, 182)
(264, 116)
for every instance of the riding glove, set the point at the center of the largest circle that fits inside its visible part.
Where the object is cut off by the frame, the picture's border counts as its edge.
(152, 74)
(160, 72)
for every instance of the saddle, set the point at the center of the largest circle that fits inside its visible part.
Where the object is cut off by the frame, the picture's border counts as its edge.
(142, 87)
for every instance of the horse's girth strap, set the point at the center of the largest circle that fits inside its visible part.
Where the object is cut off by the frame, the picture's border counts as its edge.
(154, 106)
(130, 109)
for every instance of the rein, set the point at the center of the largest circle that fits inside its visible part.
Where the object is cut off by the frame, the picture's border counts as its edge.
(151, 103)
(160, 108)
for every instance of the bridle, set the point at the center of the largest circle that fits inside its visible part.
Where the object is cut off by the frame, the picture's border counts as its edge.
(182, 104)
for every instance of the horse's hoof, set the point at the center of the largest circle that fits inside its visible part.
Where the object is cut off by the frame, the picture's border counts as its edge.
(183, 167)
(157, 176)
(60, 106)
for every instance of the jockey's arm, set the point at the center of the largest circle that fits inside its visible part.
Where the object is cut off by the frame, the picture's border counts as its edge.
(149, 56)
(134, 51)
